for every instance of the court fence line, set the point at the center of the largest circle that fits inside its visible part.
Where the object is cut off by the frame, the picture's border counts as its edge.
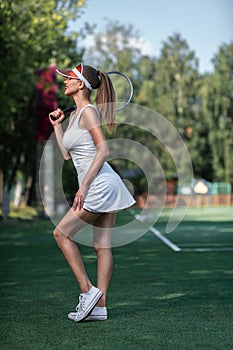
(155, 201)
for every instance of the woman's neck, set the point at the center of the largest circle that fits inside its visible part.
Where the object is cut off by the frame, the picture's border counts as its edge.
(80, 103)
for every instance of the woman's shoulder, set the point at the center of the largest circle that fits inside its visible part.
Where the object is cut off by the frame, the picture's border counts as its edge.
(90, 109)
(90, 116)
(89, 106)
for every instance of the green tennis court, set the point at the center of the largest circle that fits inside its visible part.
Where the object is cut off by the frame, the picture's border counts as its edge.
(159, 298)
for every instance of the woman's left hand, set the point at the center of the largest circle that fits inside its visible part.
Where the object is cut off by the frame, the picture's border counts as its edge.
(79, 198)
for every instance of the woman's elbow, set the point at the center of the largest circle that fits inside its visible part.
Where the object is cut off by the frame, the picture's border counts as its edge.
(103, 151)
(67, 156)
(107, 153)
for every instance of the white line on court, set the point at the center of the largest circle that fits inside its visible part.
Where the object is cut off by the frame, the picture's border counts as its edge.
(158, 234)
(207, 245)
(164, 239)
(207, 249)
(192, 247)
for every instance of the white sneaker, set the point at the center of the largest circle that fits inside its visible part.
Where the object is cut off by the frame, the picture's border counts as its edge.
(87, 302)
(97, 314)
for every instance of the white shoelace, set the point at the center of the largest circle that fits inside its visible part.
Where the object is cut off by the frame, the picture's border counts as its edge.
(81, 304)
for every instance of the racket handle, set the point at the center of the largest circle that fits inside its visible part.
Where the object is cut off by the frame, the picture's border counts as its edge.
(69, 109)
(65, 110)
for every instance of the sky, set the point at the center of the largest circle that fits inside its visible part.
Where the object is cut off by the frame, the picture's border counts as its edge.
(204, 24)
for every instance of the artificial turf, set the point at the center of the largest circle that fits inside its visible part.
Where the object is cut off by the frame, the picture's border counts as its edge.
(158, 298)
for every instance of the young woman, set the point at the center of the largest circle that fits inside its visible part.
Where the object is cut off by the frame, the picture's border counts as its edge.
(101, 192)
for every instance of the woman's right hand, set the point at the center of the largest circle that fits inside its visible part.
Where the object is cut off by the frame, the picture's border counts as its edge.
(56, 117)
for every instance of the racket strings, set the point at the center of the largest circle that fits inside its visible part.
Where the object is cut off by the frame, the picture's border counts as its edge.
(123, 89)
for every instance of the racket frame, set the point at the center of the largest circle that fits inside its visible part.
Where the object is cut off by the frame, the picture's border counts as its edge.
(130, 85)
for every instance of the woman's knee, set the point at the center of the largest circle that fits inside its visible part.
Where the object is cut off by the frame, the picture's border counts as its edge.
(102, 249)
(97, 248)
(58, 236)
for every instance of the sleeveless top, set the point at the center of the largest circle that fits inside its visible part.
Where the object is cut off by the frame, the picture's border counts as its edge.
(107, 191)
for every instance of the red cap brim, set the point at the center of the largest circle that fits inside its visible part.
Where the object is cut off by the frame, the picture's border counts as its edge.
(68, 73)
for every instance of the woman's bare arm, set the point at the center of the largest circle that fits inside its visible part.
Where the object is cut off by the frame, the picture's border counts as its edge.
(90, 121)
(58, 113)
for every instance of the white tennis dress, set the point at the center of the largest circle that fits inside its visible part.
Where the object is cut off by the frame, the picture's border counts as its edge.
(107, 192)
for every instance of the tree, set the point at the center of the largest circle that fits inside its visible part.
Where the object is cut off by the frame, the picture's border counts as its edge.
(218, 107)
(175, 79)
(176, 85)
(33, 36)
(115, 47)
(145, 81)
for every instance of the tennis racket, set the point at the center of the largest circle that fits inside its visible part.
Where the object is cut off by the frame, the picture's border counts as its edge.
(123, 90)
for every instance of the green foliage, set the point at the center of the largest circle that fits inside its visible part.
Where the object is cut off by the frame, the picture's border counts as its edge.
(218, 103)
(33, 36)
(22, 213)
(113, 49)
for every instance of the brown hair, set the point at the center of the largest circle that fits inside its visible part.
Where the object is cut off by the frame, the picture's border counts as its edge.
(105, 96)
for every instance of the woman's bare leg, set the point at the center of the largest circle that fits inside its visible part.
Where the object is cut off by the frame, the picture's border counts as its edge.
(70, 249)
(102, 228)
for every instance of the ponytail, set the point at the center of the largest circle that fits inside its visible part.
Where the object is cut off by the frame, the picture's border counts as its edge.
(105, 96)
(106, 101)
